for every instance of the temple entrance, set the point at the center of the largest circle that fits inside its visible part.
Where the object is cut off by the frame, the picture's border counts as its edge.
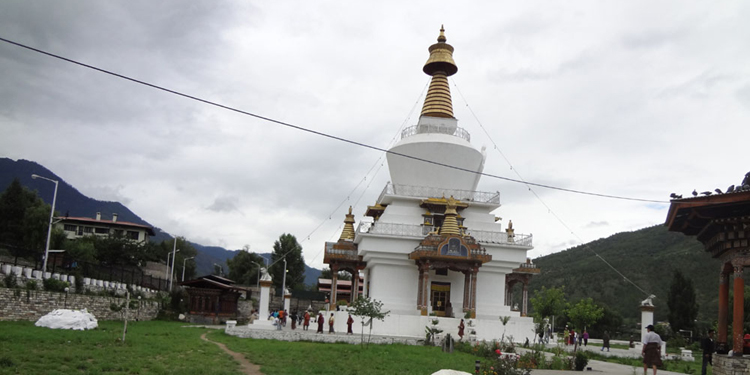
(440, 296)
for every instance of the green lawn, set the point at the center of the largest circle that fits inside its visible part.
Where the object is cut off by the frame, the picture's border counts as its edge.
(167, 348)
(150, 348)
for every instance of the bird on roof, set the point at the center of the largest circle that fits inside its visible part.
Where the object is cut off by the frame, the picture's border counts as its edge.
(730, 189)
(675, 196)
(718, 191)
(706, 193)
(695, 193)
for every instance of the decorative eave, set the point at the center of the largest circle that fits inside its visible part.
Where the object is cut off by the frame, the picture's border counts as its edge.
(439, 205)
(375, 211)
(450, 248)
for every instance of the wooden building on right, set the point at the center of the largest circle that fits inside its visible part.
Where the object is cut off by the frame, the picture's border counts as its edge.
(721, 222)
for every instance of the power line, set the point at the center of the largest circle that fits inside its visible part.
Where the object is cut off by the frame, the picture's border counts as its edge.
(322, 134)
(549, 209)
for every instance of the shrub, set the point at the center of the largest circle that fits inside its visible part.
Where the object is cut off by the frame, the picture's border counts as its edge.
(31, 285)
(581, 360)
(10, 281)
(53, 285)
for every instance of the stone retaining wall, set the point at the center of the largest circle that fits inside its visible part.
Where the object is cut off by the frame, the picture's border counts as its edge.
(300, 335)
(22, 304)
(724, 365)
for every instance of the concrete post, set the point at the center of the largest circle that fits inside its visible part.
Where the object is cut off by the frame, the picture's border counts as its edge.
(647, 317)
(287, 300)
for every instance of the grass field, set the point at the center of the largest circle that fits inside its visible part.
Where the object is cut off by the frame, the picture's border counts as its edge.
(168, 348)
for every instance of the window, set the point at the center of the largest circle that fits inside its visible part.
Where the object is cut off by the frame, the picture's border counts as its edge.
(70, 228)
(118, 232)
(133, 235)
(101, 230)
(441, 271)
(88, 230)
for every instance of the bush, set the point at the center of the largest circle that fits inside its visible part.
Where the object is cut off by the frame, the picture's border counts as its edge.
(31, 285)
(53, 285)
(10, 281)
(581, 360)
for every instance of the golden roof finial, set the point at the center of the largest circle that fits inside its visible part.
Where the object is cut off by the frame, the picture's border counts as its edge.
(440, 66)
(450, 224)
(348, 232)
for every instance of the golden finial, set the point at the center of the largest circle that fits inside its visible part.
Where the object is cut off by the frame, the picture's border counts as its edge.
(450, 224)
(348, 232)
(440, 66)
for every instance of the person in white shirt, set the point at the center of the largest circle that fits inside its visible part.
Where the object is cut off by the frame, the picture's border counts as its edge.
(651, 350)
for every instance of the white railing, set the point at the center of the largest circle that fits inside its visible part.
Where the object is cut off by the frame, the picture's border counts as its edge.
(420, 231)
(433, 192)
(440, 129)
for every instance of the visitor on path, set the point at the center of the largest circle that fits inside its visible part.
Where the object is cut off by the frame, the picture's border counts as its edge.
(349, 323)
(651, 350)
(306, 322)
(277, 323)
(461, 330)
(330, 324)
(572, 337)
(293, 317)
(566, 336)
(605, 341)
(320, 322)
(541, 337)
(707, 344)
(585, 338)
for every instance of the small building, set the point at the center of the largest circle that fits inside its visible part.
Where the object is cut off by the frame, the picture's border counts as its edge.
(77, 227)
(343, 289)
(213, 299)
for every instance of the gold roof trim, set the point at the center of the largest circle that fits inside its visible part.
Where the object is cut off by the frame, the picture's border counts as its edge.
(450, 224)
(440, 66)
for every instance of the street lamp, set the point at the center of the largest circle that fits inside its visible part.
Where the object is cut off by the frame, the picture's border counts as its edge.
(283, 284)
(51, 215)
(183, 267)
(171, 273)
(257, 285)
(166, 272)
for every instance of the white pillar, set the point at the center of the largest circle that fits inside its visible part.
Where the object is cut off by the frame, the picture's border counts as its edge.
(287, 299)
(647, 318)
(265, 288)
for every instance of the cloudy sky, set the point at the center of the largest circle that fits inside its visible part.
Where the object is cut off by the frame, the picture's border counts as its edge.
(636, 99)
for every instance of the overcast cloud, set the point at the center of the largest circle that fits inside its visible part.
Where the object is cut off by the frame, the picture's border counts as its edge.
(636, 98)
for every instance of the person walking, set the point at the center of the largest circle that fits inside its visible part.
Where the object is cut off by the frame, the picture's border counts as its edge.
(320, 321)
(566, 336)
(651, 350)
(461, 327)
(306, 322)
(349, 323)
(605, 341)
(708, 346)
(293, 318)
(330, 324)
(585, 338)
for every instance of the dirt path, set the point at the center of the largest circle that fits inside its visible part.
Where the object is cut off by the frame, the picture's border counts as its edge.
(247, 367)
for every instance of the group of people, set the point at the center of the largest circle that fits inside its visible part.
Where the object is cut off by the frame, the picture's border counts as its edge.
(280, 320)
(569, 337)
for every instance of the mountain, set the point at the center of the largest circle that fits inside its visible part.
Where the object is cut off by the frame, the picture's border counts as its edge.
(647, 257)
(73, 203)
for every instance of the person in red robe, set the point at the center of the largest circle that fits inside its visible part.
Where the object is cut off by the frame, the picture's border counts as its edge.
(320, 322)
(349, 323)
(461, 330)
(306, 323)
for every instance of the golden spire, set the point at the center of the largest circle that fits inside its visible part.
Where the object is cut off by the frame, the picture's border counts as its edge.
(440, 66)
(450, 224)
(348, 232)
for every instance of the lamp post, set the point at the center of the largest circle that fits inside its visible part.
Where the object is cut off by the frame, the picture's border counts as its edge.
(183, 267)
(171, 273)
(257, 285)
(283, 283)
(166, 272)
(51, 215)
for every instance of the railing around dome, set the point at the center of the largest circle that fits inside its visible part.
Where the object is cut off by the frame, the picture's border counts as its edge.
(419, 231)
(440, 129)
(433, 192)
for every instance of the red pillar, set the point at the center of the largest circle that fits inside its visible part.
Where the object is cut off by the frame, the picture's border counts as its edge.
(420, 291)
(739, 311)
(524, 311)
(467, 282)
(334, 287)
(721, 342)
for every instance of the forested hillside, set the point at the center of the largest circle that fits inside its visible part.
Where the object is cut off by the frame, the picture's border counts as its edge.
(647, 257)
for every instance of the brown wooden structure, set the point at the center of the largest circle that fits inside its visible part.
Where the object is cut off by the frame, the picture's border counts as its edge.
(522, 275)
(344, 256)
(722, 223)
(213, 296)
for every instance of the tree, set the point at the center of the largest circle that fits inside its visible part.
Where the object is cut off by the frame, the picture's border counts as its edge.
(547, 303)
(366, 310)
(244, 267)
(287, 247)
(683, 309)
(24, 219)
(585, 313)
